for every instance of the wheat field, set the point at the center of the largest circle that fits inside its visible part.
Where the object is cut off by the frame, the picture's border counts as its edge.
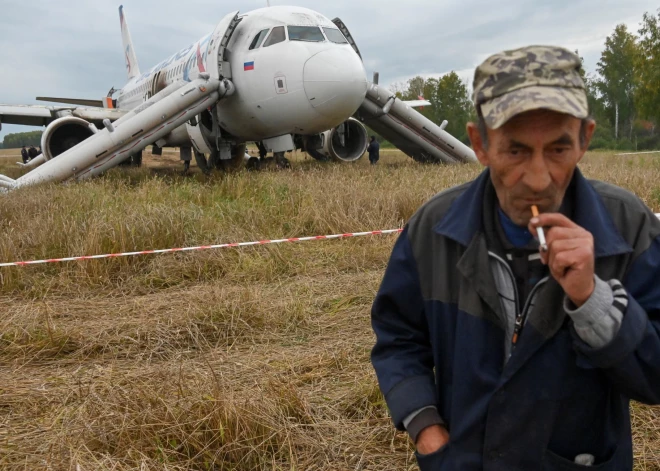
(233, 359)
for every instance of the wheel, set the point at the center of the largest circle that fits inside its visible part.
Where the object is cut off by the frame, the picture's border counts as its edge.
(316, 155)
(136, 160)
(237, 160)
(282, 162)
(253, 164)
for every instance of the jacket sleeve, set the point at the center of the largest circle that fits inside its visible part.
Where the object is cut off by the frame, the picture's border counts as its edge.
(402, 355)
(631, 358)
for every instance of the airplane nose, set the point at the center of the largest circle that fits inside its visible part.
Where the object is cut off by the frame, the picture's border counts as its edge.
(335, 82)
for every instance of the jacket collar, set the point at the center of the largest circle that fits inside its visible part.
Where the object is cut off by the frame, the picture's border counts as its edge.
(465, 216)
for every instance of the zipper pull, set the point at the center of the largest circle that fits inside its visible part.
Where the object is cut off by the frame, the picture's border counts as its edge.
(516, 330)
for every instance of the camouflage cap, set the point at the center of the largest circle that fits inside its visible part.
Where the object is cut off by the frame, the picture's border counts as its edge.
(533, 77)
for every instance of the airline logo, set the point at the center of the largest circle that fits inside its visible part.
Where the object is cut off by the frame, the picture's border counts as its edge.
(200, 60)
(248, 66)
(128, 61)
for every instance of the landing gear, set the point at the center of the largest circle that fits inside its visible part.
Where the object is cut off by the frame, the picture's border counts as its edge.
(281, 161)
(134, 160)
(214, 162)
(253, 163)
(263, 152)
(202, 163)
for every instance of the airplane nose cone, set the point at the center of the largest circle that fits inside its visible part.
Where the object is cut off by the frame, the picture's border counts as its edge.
(335, 82)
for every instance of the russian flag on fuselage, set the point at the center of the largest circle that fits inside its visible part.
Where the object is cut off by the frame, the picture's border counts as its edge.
(248, 66)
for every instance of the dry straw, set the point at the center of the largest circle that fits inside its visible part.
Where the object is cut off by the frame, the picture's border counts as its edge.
(235, 360)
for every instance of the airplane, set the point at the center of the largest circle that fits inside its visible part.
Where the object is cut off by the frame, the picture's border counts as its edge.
(286, 78)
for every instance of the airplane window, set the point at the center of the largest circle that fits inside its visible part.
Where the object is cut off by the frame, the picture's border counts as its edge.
(305, 33)
(335, 36)
(258, 39)
(277, 35)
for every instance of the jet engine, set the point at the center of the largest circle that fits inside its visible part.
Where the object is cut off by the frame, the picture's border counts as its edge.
(63, 134)
(346, 143)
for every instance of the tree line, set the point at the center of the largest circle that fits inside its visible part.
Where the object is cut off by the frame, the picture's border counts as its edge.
(20, 139)
(623, 92)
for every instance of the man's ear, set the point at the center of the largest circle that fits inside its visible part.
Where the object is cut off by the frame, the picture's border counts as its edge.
(477, 143)
(589, 130)
(585, 140)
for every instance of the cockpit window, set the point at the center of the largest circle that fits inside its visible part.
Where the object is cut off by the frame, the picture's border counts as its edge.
(277, 35)
(258, 39)
(305, 33)
(335, 36)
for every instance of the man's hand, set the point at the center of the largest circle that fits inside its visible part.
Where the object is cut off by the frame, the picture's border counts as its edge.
(431, 439)
(570, 255)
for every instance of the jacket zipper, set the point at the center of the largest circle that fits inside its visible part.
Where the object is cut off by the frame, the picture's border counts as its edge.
(522, 315)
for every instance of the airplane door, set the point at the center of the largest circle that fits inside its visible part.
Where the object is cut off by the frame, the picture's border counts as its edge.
(216, 62)
(155, 85)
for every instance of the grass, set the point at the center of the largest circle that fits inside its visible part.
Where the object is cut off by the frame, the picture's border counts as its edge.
(235, 359)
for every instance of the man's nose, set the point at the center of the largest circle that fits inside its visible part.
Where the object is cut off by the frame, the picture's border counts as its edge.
(537, 176)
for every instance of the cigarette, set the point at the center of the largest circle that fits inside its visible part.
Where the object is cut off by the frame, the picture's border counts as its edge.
(539, 230)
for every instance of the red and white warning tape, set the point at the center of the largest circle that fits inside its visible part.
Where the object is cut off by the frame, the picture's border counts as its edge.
(205, 247)
(202, 247)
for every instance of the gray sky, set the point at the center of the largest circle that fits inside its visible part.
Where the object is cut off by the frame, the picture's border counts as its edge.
(73, 48)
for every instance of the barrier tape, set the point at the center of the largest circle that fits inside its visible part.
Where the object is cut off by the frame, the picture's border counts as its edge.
(202, 247)
(206, 247)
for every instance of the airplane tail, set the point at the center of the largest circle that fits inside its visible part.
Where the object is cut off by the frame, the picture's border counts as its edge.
(132, 67)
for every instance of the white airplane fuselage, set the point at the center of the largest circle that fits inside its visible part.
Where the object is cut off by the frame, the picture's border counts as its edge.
(299, 87)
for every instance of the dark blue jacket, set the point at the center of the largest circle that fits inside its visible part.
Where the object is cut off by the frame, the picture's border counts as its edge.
(374, 150)
(440, 340)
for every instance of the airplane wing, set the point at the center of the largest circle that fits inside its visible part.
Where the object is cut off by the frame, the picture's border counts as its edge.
(37, 115)
(417, 103)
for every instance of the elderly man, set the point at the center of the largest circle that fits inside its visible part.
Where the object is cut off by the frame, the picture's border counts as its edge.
(492, 353)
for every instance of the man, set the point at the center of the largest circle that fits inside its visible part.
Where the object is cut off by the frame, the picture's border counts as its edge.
(32, 152)
(492, 354)
(24, 155)
(374, 151)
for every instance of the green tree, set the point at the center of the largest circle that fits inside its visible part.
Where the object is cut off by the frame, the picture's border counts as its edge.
(16, 140)
(418, 87)
(452, 102)
(647, 93)
(604, 136)
(617, 79)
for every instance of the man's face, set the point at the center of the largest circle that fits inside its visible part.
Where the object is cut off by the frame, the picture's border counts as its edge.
(532, 159)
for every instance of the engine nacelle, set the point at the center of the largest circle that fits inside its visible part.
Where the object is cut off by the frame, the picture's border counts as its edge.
(63, 134)
(346, 143)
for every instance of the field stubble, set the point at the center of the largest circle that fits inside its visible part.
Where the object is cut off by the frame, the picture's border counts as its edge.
(237, 359)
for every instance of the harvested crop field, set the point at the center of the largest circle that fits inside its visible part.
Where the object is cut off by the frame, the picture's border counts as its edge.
(233, 359)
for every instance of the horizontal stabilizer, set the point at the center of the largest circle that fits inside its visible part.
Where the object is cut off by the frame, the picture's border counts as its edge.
(72, 101)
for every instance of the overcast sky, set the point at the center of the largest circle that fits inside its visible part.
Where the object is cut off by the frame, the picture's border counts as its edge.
(73, 48)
